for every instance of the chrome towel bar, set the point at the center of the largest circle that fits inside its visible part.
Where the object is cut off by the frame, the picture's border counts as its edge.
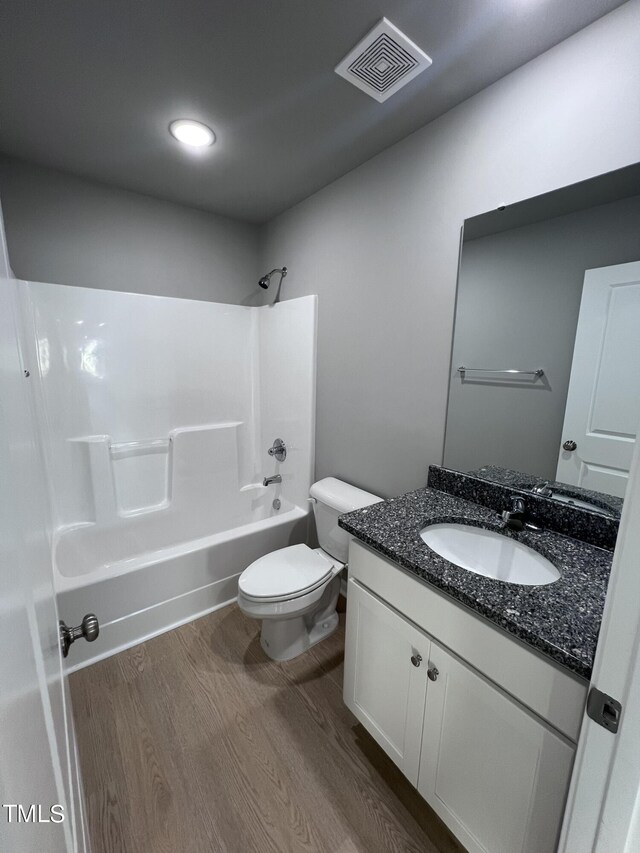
(537, 373)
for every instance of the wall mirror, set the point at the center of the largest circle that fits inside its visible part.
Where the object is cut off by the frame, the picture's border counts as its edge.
(545, 374)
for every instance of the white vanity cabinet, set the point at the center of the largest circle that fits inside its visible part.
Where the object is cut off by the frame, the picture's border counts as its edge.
(491, 752)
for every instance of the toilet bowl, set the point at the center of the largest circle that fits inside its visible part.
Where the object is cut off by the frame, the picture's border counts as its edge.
(294, 590)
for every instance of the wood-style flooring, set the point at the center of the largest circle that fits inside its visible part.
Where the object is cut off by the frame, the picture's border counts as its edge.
(195, 741)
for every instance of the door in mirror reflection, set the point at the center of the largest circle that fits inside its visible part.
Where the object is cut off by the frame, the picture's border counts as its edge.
(603, 402)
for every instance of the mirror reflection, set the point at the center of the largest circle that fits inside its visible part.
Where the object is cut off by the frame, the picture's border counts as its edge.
(545, 374)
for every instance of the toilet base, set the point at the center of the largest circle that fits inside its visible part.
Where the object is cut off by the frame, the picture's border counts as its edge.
(285, 639)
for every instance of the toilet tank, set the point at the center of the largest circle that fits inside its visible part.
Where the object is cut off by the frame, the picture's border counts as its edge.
(332, 498)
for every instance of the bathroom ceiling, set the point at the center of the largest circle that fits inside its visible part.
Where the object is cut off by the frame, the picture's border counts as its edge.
(90, 86)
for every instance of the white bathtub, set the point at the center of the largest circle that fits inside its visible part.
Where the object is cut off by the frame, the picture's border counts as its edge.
(153, 592)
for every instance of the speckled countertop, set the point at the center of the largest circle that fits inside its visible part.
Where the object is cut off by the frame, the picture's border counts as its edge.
(561, 619)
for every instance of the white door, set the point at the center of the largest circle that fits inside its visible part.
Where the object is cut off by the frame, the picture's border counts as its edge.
(494, 773)
(603, 812)
(603, 402)
(37, 758)
(385, 677)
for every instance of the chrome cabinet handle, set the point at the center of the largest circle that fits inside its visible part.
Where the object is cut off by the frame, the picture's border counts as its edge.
(416, 659)
(89, 629)
(433, 673)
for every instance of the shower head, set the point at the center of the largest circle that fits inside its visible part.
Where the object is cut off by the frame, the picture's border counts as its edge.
(266, 279)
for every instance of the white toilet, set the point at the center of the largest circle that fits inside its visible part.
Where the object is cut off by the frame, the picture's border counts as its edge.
(295, 590)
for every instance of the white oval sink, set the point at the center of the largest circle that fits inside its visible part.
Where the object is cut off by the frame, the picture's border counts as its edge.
(487, 553)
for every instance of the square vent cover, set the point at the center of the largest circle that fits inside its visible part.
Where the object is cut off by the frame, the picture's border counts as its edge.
(383, 62)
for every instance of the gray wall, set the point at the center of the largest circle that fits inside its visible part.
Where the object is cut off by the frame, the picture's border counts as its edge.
(66, 230)
(518, 302)
(380, 245)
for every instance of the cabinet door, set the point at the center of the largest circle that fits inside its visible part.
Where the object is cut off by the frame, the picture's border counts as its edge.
(383, 686)
(493, 772)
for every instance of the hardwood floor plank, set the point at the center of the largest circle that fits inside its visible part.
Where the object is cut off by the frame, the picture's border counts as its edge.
(254, 775)
(195, 741)
(108, 805)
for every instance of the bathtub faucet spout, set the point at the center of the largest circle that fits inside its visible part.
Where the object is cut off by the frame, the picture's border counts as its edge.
(268, 481)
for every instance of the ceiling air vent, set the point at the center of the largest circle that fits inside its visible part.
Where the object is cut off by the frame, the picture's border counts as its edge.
(383, 62)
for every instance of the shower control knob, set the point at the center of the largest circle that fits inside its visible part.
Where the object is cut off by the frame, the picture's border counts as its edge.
(569, 445)
(89, 629)
(279, 450)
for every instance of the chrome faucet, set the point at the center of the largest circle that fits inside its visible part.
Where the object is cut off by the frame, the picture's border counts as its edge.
(514, 518)
(269, 481)
(543, 489)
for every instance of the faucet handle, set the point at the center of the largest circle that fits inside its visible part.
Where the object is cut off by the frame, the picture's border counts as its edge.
(514, 518)
(278, 449)
(543, 489)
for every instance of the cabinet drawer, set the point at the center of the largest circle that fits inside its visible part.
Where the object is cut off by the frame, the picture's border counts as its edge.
(547, 689)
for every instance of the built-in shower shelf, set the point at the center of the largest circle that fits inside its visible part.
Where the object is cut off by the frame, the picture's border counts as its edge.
(125, 449)
(171, 474)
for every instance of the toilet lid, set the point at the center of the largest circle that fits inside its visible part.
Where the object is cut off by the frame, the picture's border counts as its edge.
(286, 572)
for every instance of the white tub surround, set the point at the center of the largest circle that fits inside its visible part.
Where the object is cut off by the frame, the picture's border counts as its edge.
(157, 415)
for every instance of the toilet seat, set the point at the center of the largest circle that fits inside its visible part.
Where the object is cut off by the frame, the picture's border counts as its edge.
(287, 573)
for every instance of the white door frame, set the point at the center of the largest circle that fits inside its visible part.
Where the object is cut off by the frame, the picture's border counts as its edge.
(603, 808)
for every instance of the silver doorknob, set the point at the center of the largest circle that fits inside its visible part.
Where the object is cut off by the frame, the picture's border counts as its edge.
(416, 659)
(89, 629)
(569, 445)
(433, 673)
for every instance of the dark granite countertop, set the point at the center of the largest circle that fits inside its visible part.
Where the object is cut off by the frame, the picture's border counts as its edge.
(561, 619)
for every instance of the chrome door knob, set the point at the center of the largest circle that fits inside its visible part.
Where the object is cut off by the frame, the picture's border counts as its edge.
(569, 445)
(433, 673)
(416, 659)
(89, 629)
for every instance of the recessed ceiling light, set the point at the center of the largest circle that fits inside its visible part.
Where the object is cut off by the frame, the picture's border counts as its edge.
(192, 133)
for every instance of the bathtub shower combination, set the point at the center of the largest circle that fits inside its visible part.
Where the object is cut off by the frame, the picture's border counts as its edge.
(157, 415)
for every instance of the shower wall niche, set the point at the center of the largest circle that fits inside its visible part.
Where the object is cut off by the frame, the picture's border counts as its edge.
(156, 415)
